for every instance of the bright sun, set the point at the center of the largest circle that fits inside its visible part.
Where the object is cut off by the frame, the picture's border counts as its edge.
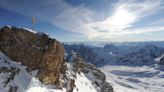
(121, 19)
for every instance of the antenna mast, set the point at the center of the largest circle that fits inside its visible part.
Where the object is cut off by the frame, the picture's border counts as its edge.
(33, 22)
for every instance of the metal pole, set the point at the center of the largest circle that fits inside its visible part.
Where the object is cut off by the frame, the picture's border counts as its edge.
(33, 22)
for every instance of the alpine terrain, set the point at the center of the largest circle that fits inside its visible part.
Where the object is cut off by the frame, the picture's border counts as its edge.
(30, 61)
(129, 67)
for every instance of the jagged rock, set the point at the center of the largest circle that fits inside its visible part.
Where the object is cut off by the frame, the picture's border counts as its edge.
(13, 89)
(106, 87)
(71, 85)
(64, 68)
(37, 51)
(98, 78)
(162, 61)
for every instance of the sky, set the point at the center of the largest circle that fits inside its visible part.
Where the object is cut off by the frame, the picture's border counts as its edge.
(88, 20)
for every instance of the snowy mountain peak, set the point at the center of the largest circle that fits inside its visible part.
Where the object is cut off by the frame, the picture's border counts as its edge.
(35, 63)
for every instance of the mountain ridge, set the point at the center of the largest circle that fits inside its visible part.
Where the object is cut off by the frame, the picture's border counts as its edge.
(38, 65)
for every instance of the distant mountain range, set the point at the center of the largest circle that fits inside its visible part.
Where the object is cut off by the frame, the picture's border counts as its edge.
(132, 53)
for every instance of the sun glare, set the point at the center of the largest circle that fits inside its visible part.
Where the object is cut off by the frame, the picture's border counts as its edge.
(121, 19)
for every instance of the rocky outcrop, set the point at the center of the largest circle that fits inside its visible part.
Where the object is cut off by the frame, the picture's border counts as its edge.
(39, 52)
(97, 77)
(36, 51)
(162, 61)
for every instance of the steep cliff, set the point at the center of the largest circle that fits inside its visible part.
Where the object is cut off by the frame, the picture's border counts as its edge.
(37, 51)
(33, 62)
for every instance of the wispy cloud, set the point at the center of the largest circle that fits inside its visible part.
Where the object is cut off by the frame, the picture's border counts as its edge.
(57, 12)
(81, 19)
(125, 15)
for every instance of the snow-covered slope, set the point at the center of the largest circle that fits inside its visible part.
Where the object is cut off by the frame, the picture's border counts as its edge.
(39, 65)
(134, 70)
(15, 78)
(135, 79)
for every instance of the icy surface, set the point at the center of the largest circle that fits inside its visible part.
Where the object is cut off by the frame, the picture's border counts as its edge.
(30, 30)
(83, 84)
(131, 67)
(135, 79)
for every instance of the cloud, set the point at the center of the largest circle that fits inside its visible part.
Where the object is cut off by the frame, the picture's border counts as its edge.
(81, 19)
(57, 12)
(76, 20)
(126, 14)
(157, 22)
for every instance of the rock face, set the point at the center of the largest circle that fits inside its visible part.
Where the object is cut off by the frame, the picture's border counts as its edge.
(100, 79)
(162, 61)
(97, 77)
(37, 51)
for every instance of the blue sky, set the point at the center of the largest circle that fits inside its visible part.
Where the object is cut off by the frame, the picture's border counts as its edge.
(88, 20)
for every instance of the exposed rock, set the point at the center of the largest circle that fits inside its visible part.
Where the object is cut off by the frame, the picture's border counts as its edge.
(71, 85)
(162, 61)
(106, 87)
(63, 68)
(39, 52)
(12, 71)
(13, 89)
(98, 78)
(35, 51)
